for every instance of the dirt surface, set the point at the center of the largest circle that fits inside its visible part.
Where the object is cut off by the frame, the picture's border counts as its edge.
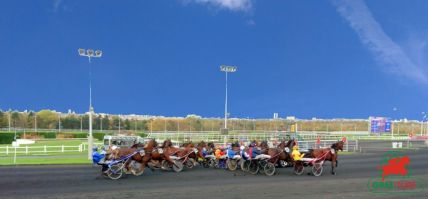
(83, 181)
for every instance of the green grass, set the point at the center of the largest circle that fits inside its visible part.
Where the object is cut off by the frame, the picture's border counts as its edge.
(80, 159)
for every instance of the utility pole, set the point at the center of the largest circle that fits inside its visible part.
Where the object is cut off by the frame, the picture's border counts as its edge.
(9, 119)
(35, 123)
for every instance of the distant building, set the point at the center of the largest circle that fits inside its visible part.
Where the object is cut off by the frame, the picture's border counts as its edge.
(275, 115)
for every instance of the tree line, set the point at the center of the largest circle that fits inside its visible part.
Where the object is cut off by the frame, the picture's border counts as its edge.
(48, 119)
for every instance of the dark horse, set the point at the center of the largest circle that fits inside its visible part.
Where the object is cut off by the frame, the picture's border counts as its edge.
(328, 154)
(281, 152)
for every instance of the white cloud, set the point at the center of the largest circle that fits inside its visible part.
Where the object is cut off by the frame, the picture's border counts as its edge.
(382, 46)
(235, 5)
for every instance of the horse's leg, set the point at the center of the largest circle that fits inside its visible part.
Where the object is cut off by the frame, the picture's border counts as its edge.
(144, 161)
(333, 164)
(128, 171)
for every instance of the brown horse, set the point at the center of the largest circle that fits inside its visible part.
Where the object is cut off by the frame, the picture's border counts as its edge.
(116, 153)
(148, 150)
(187, 154)
(327, 154)
(162, 153)
(281, 152)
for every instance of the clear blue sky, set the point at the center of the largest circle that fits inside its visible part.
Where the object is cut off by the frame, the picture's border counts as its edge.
(325, 59)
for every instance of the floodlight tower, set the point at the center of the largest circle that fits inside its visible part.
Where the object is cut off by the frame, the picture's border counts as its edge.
(89, 53)
(226, 69)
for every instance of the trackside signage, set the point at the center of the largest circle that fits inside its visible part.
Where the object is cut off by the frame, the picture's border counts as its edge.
(395, 176)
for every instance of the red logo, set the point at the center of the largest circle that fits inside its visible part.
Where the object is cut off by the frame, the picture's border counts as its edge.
(395, 166)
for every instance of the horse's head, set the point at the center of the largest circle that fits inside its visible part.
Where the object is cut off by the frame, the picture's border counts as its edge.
(282, 144)
(210, 147)
(151, 144)
(167, 143)
(292, 143)
(264, 144)
(190, 145)
(112, 153)
(338, 146)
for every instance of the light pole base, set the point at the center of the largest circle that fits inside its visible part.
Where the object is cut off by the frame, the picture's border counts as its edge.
(90, 146)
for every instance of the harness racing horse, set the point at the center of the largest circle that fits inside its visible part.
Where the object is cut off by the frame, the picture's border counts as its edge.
(328, 154)
(161, 156)
(141, 156)
(187, 154)
(282, 153)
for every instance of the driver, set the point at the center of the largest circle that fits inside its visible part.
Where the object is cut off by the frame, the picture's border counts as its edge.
(254, 151)
(296, 153)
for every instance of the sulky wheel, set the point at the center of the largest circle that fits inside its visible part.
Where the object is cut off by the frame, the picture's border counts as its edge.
(317, 169)
(189, 163)
(177, 166)
(205, 164)
(166, 165)
(245, 164)
(298, 168)
(212, 163)
(232, 164)
(253, 168)
(115, 171)
(269, 169)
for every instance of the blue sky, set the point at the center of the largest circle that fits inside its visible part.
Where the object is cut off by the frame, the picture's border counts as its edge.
(325, 59)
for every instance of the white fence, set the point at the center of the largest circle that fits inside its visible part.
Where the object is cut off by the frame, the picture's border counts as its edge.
(350, 145)
(41, 149)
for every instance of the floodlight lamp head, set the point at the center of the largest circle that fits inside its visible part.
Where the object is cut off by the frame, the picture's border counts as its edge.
(90, 52)
(98, 53)
(81, 51)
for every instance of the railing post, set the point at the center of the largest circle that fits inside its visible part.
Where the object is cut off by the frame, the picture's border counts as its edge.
(356, 143)
(62, 148)
(347, 144)
(26, 149)
(45, 149)
(7, 150)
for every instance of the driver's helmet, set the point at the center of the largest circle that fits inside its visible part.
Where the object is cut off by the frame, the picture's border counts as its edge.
(95, 148)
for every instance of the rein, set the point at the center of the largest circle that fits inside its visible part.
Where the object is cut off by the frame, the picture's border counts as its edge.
(322, 157)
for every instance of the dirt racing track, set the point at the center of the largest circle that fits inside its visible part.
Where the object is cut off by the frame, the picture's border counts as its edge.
(84, 181)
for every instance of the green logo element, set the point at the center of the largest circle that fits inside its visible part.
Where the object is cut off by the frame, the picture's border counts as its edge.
(395, 176)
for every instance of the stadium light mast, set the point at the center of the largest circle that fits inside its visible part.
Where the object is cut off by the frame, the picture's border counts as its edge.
(89, 53)
(226, 69)
(424, 116)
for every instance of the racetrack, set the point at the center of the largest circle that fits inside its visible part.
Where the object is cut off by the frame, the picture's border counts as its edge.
(83, 181)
